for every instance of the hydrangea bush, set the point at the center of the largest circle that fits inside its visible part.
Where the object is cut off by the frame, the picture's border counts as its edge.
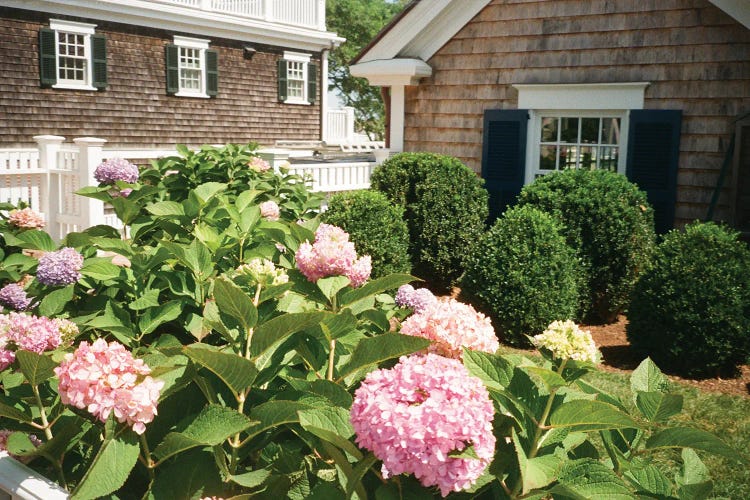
(259, 358)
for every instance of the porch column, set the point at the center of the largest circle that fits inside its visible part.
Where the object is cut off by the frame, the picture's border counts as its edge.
(324, 95)
(397, 118)
(49, 198)
(90, 155)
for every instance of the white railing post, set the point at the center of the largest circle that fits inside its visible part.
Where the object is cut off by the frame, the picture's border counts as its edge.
(268, 13)
(205, 5)
(89, 157)
(49, 199)
(322, 15)
(349, 124)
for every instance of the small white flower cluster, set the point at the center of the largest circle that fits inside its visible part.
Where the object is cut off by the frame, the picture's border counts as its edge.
(264, 272)
(567, 341)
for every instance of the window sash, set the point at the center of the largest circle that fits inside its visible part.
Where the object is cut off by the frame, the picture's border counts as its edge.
(296, 74)
(73, 52)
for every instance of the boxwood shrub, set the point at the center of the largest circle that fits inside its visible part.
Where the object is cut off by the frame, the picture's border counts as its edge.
(445, 208)
(609, 221)
(523, 274)
(376, 226)
(690, 310)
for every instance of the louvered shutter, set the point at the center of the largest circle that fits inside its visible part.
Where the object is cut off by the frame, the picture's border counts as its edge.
(312, 82)
(173, 70)
(212, 73)
(47, 57)
(99, 61)
(504, 156)
(282, 81)
(653, 159)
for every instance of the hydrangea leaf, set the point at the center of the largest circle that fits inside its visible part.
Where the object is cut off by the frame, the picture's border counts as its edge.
(332, 285)
(375, 287)
(550, 379)
(232, 300)
(54, 302)
(695, 480)
(8, 411)
(536, 472)
(194, 475)
(252, 479)
(697, 439)
(331, 424)
(583, 415)
(208, 190)
(657, 406)
(235, 371)
(35, 367)
(495, 371)
(279, 328)
(112, 464)
(648, 378)
(650, 480)
(249, 217)
(374, 350)
(155, 316)
(274, 414)
(100, 269)
(587, 478)
(32, 239)
(166, 209)
(245, 198)
(149, 298)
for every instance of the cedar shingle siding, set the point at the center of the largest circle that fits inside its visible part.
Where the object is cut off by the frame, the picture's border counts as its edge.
(135, 110)
(696, 57)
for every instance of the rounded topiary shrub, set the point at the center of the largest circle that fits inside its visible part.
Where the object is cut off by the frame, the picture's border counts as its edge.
(523, 274)
(609, 222)
(690, 310)
(376, 226)
(445, 208)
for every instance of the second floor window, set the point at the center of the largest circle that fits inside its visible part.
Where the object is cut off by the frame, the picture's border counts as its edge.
(297, 79)
(192, 68)
(72, 56)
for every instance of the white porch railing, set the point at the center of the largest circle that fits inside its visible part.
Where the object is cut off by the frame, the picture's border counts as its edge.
(47, 178)
(306, 13)
(339, 126)
(18, 482)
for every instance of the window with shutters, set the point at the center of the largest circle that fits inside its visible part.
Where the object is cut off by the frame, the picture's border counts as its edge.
(69, 57)
(191, 68)
(297, 77)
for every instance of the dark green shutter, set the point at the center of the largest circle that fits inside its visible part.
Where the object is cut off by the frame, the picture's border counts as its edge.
(312, 82)
(173, 70)
(212, 73)
(47, 57)
(653, 159)
(99, 61)
(282, 80)
(504, 156)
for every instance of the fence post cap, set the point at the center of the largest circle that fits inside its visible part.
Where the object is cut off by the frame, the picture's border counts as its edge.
(90, 141)
(48, 139)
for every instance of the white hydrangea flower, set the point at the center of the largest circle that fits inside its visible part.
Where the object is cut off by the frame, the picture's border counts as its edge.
(264, 272)
(567, 341)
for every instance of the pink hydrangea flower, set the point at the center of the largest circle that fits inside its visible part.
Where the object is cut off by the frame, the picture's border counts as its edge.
(270, 210)
(60, 267)
(26, 218)
(332, 254)
(418, 299)
(415, 414)
(26, 332)
(258, 164)
(5, 434)
(105, 379)
(452, 325)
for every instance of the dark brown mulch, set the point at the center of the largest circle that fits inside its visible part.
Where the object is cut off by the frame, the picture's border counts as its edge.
(618, 357)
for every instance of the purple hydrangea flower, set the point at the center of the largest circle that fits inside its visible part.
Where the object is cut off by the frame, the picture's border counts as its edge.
(60, 267)
(115, 170)
(418, 299)
(13, 296)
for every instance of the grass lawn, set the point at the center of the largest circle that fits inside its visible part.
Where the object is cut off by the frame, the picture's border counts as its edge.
(727, 416)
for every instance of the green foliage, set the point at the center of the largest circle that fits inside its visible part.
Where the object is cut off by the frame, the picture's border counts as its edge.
(445, 207)
(609, 222)
(358, 21)
(690, 310)
(376, 227)
(523, 274)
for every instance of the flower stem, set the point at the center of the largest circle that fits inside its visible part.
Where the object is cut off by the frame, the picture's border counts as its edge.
(149, 462)
(42, 412)
(331, 357)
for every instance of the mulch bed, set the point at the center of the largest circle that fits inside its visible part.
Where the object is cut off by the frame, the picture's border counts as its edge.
(618, 357)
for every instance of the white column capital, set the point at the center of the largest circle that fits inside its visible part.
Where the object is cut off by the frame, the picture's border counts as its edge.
(90, 141)
(48, 139)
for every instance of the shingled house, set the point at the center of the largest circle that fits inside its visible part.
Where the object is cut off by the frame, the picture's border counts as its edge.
(152, 73)
(655, 90)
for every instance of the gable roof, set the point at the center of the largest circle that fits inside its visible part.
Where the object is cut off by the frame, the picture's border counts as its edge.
(424, 26)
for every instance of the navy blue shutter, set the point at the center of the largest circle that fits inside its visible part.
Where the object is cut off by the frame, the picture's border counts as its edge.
(504, 156)
(47, 57)
(312, 82)
(212, 73)
(172, 54)
(282, 80)
(653, 159)
(99, 61)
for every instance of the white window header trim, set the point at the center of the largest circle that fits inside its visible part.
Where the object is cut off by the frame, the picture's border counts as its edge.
(296, 56)
(591, 96)
(72, 27)
(192, 43)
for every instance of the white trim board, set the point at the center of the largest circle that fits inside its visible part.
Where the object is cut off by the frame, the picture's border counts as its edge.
(186, 20)
(599, 96)
(388, 72)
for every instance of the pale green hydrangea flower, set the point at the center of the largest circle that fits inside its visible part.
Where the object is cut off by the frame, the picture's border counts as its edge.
(68, 331)
(567, 341)
(264, 272)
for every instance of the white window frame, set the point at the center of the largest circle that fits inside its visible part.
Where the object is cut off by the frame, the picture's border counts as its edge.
(200, 44)
(305, 60)
(598, 100)
(86, 30)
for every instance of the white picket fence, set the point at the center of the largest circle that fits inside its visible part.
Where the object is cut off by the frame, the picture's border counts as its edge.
(48, 176)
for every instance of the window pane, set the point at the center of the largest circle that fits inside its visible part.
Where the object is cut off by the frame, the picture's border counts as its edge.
(568, 156)
(547, 157)
(587, 160)
(590, 130)
(610, 131)
(569, 130)
(549, 129)
(608, 158)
